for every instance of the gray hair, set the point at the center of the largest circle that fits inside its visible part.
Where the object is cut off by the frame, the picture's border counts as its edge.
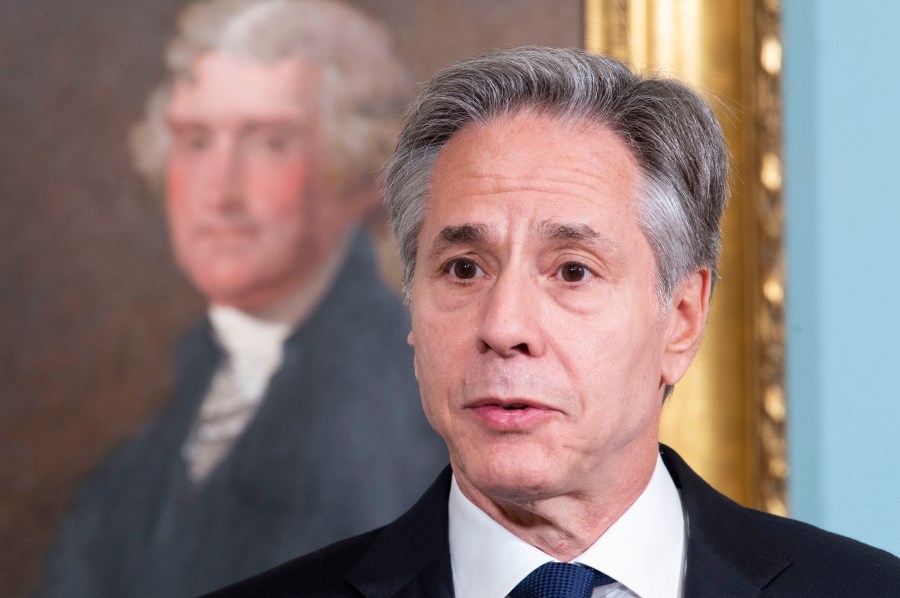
(671, 130)
(365, 85)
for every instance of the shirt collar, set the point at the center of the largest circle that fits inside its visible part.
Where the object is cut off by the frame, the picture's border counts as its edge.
(643, 549)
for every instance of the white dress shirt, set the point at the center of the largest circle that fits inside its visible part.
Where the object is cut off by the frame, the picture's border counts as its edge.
(643, 550)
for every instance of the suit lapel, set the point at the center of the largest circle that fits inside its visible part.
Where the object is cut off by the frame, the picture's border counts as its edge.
(707, 576)
(727, 553)
(411, 556)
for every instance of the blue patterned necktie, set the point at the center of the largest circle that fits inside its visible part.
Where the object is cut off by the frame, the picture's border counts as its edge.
(560, 580)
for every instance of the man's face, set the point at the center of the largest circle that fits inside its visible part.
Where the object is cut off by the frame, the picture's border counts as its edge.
(540, 347)
(250, 218)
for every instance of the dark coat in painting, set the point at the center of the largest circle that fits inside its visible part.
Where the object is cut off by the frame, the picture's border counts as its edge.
(339, 445)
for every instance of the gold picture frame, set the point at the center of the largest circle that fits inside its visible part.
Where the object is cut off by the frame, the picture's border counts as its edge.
(727, 417)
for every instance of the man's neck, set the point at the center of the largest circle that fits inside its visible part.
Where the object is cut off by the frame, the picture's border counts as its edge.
(566, 525)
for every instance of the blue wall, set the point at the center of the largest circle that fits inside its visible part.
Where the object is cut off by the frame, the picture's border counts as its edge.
(842, 153)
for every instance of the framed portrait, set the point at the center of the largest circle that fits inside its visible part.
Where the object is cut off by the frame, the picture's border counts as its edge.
(92, 304)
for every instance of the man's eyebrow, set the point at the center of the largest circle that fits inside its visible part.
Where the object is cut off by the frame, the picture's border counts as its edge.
(456, 235)
(578, 233)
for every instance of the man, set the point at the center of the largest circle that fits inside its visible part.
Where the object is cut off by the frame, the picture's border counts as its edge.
(299, 387)
(558, 218)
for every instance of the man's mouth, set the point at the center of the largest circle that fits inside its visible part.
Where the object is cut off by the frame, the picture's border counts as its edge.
(510, 404)
(511, 414)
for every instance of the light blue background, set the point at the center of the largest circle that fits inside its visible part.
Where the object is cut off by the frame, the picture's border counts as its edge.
(842, 130)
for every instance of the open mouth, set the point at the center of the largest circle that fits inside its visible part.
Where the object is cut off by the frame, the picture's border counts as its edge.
(515, 407)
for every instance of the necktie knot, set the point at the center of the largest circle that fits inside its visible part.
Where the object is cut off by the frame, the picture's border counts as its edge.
(560, 580)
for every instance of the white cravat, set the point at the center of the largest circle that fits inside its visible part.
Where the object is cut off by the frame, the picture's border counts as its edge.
(643, 550)
(252, 351)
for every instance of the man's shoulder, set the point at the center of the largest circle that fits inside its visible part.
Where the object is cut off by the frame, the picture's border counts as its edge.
(321, 573)
(830, 561)
(732, 546)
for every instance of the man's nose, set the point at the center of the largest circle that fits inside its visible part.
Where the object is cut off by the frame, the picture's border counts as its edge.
(511, 317)
(224, 177)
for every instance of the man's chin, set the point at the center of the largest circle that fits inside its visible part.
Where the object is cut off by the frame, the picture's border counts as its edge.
(512, 478)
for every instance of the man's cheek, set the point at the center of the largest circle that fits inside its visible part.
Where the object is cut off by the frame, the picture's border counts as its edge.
(280, 190)
(177, 179)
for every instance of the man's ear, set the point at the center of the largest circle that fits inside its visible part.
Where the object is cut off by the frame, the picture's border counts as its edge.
(412, 343)
(686, 322)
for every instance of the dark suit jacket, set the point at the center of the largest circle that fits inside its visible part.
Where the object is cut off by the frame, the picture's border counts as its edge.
(732, 552)
(338, 446)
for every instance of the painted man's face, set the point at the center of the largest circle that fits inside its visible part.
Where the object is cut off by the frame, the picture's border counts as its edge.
(249, 214)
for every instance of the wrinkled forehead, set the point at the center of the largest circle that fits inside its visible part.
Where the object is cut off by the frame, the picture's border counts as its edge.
(534, 163)
(537, 149)
(588, 141)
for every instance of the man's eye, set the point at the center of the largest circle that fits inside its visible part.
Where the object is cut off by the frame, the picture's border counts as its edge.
(573, 272)
(198, 144)
(271, 142)
(463, 269)
(195, 143)
(276, 143)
